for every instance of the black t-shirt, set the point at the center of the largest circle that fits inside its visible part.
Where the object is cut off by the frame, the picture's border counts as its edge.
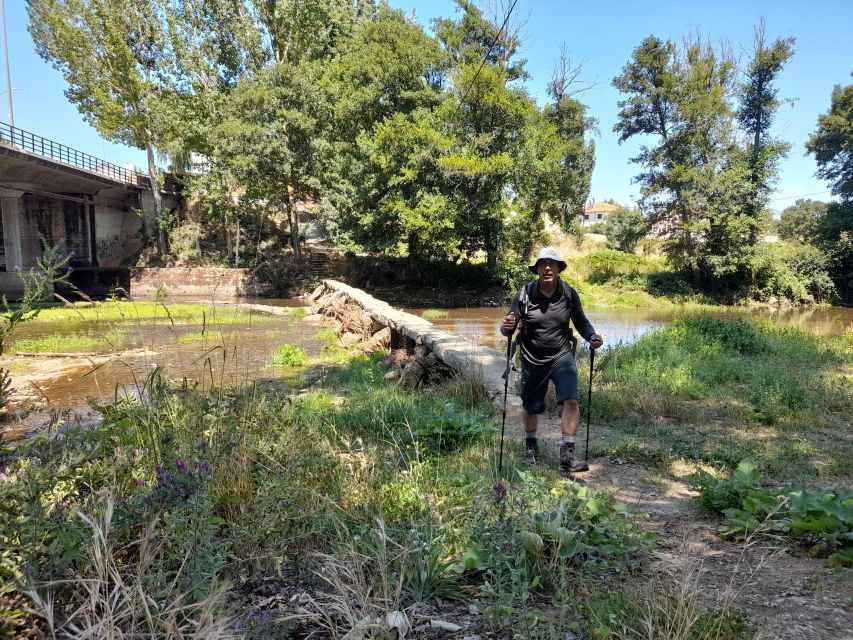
(544, 323)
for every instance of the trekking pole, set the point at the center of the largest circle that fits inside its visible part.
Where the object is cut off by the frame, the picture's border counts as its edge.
(589, 404)
(503, 422)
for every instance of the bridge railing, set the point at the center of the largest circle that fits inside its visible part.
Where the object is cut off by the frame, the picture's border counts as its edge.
(40, 146)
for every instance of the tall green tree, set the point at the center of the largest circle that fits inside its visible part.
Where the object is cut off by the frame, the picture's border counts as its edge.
(486, 118)
(832, 143)
(801, 222)
(759, 102)
(116, 57)
(680, 97)
(387, 78)
(832, 146)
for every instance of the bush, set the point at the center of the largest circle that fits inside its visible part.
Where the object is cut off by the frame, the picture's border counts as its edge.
(291, 355)
(737, 336)
(795, 272)
(822, 517)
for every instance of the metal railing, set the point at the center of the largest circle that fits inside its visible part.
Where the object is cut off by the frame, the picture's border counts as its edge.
(45, 148)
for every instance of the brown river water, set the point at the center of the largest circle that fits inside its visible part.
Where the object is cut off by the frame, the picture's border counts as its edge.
(242, 353)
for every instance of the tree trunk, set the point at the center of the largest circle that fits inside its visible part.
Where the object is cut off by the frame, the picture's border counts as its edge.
(154, 174)
(293, 223)
(237, 246)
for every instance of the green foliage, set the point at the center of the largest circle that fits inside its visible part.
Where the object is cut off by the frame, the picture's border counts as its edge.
(625, 228)
(822, 515)
(802, 220)
(732, 376)
(793, 272)
(291, 355)
(430, 314)
(51, 268)
(735, 336)
(831, 144)
(705, 188)
(545, 535)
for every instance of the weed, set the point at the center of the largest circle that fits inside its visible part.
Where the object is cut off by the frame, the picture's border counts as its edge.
(822, 517)
(198, 336)
(432, 314)
(291, 355)
(112, 597)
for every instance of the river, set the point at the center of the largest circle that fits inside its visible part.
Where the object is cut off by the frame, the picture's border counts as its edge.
(622, 326)
(242, 352)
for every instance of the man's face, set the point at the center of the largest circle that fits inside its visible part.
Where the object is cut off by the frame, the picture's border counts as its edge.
(547, 270)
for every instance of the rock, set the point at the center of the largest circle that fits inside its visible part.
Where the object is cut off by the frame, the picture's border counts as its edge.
(444, 626)
(473, 610)
(392, 375)
(398, 358)
(317, 292)
(377, 342)
(349, 339)
(399, 621)
(413, 374)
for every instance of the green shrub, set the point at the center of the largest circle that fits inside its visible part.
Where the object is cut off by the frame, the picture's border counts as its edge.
(291, 355)
(430, 314)
(737, 336)
(822, 517)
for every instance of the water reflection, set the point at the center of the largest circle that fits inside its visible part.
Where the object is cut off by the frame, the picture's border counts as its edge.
(627, 325)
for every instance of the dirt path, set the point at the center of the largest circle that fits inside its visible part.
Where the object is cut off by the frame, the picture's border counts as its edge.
(787, 594)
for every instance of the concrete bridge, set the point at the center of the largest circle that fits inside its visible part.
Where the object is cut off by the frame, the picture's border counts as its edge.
(52, 192)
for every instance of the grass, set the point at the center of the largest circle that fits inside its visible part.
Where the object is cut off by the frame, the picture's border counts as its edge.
(291, 355)
(389, 495)
(717, 391)
(431, 314)
(199, 336)
(56, 343)
(148, 313)
(255, 482)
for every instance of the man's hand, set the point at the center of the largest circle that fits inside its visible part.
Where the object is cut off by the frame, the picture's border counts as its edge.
(595, 341)
(509, 322)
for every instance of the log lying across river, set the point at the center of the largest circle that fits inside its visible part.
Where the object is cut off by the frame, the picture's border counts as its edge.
(418, 335)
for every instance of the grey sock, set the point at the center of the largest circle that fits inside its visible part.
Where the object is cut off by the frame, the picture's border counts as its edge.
(568, 440)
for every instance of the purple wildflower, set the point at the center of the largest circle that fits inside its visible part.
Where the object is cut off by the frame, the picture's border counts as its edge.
(160, 472)
(181, 464)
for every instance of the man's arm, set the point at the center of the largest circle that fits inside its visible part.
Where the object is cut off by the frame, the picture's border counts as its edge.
(510, 320)
(582, 323)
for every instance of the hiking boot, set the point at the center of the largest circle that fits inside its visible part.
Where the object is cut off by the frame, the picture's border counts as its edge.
(568, 463)
(531, 451)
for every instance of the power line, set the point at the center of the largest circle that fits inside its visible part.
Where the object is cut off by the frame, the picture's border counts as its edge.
(801, 196)
(487, 54)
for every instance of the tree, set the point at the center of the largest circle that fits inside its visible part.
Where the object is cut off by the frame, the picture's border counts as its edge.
(386, 79)
(625, 228)
(486, 118)
(116, 57)
(832, 146)
(271, 142)
(832, 143)
(801, 221)
(758, 105)
(708, 178)
(680, 97)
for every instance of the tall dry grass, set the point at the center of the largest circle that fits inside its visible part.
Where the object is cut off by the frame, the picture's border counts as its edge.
(110, 600)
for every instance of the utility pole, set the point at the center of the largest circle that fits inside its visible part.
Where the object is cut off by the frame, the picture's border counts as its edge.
(11, 112)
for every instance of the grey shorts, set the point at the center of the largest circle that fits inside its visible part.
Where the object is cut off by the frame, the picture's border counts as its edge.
(534, 384)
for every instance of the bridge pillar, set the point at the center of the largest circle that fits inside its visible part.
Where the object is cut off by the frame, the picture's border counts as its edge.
(9, 199)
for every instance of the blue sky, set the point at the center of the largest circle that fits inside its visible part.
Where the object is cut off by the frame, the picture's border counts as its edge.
(600, 34)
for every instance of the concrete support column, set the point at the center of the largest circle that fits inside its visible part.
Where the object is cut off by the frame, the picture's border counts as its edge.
(9, 199)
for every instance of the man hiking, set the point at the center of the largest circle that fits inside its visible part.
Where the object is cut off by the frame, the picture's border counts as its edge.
(544, 308)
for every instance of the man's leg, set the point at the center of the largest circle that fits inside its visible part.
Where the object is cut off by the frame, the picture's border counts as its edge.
(570, 417)
(531, 443)
(566, 382)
